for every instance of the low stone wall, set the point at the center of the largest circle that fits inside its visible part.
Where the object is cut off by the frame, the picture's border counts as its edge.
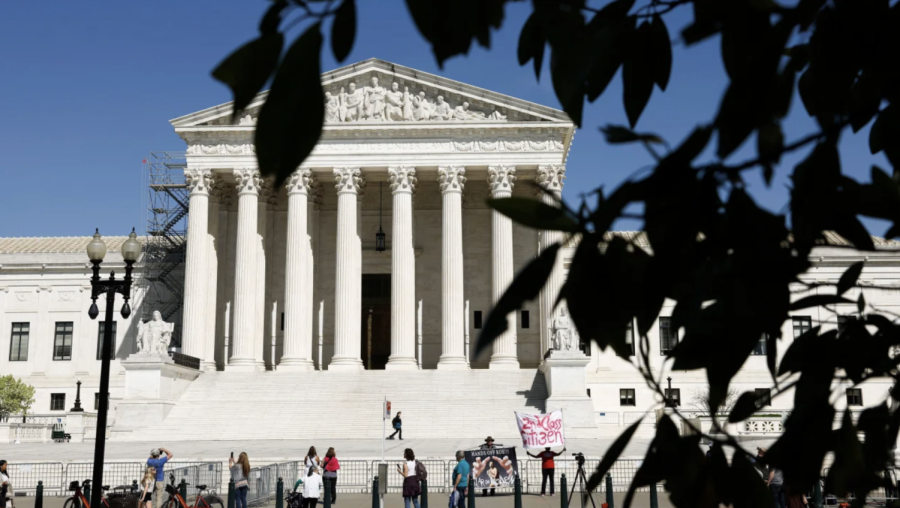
(25, 433)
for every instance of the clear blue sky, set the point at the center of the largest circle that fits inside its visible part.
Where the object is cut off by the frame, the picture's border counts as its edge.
(89, 87)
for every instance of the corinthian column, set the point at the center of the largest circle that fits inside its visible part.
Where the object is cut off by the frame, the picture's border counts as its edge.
(452, 180)
(502, 179)
(297, 304)
(262, 348)
(403, 271)
(348, 278)
(199, 184)
(243, 342)
(208, 360)
(550, 178)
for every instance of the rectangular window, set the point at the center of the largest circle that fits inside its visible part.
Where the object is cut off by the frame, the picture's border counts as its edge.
(62, 342)
(100, 333)
(526, 319)
(57, 402)
(802, 324)
(763, 397)
(760, 348)
(18, 344)
(674, 395)
(854, 397)
(626, 397)
(668, 335)
(477, 319)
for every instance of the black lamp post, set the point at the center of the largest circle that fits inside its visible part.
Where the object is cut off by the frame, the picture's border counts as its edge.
(77, 408)
(670, 402)
(379, 236)
(96, 250)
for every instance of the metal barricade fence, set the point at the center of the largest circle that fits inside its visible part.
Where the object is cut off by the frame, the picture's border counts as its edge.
(289, 472)
(114, 473)
(438, 474)
(196, 473)
(622, 472)
(262, 482)
(25, 478)
(354, 476)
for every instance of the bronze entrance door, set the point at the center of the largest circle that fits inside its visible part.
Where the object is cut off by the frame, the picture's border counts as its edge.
(376, 320)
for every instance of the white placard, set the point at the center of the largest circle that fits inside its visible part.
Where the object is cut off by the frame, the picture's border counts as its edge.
(541, 430)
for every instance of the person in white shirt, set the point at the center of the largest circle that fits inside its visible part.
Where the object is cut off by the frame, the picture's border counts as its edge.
(311, 487)
(6, 490)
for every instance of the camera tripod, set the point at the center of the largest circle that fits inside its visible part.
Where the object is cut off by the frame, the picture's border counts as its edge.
(580, 479)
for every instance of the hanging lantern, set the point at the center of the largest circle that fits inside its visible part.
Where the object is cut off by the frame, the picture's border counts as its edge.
(379, 236)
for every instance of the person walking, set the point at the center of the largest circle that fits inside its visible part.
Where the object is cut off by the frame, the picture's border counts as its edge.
(312, 459)
(240, 472)
(7, 496)
(488, 445)
(411, 487)
(776, 486)
(158, 461)
(460, 479)
(311, 487)
(330, 468)
(148, 485)
(397, 423)
(548, 467)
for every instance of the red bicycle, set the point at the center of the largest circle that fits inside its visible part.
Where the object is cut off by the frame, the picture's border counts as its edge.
(175, 500)
(78, 500)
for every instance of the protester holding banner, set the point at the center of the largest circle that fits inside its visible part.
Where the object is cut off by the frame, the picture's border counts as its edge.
(547, 467)
(488, 444)
(460, 479)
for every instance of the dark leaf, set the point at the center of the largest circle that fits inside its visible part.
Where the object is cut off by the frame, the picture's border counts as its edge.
(662, 52)
(290, 121)
(535, 214)
(451, 30)
(861, 303)
(531, 44)
(248, 69)
(343, 30)
(620, 134)
(526, 286)
(611, 455)
(747, 487)
(746, 405)
(638, 73)
(849, 277)
(272, 18)
(818, 301)
(608, 43)
(770, 143)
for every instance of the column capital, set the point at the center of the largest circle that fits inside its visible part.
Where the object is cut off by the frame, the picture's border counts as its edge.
(199, 181)
(452, 178)
(221, 194)
(348, 180)
(502, 180)
(248, 181)
(403, 179)
(550, 177)
(299, 182)
(267, 191)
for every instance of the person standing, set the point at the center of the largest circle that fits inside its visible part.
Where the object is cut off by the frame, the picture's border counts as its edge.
(548, 467)
(411, 487)
(312, 459)
(397, 424)
(6, 488)
(794, 497)
(460, 479)
(488, 445)
(311, 487)
(240, 473)
(148, 484)
(776, 486)
(330, 466)
(158, 462)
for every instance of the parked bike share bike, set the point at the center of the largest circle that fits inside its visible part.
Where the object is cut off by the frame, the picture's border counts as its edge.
(175, 500)
(78, 500)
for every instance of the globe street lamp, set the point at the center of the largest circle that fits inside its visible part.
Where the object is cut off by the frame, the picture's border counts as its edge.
(96, 250)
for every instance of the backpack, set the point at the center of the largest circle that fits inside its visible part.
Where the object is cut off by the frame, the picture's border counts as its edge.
(421, 473)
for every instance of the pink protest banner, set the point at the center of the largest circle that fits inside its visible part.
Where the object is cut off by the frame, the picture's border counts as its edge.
(541, 431)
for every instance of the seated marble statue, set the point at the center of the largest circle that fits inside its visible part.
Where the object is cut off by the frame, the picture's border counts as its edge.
(560, 331)
(154, 336)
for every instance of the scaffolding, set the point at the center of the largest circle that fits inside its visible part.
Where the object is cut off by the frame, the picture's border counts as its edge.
(164, 255)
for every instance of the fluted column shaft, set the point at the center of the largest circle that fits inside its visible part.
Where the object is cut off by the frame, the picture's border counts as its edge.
(208, 360)
(243, 342)
(403, 271)
(502, 179)
(199, 184)
(297, 304)
(262, 347)
(348, 277)
(452, 181)
(550, 179)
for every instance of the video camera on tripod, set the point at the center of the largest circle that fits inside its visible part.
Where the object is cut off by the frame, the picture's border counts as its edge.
(579, 458)
(580, 480)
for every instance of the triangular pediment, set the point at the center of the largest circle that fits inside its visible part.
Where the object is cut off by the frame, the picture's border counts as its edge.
(376, 91)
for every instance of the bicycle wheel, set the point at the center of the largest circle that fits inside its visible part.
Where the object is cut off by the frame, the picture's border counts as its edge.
(171, 503)
(214, 501)
(72, 503)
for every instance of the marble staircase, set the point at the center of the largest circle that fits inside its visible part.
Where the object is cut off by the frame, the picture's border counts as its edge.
(322, 404)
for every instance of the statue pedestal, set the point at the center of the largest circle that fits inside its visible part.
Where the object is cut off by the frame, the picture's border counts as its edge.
(564, 372)
(153, 383)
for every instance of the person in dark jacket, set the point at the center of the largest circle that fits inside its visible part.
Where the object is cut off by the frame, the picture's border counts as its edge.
(397, 424)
